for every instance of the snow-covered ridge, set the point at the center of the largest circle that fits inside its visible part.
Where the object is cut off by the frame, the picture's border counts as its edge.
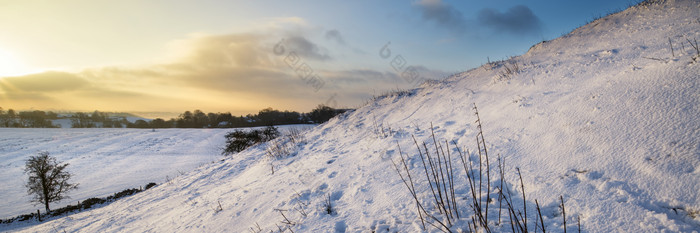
(605, 117)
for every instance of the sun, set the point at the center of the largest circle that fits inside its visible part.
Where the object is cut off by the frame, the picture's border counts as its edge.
(11, 65)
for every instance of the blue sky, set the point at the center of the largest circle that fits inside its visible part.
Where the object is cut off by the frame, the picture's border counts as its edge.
(172, 56)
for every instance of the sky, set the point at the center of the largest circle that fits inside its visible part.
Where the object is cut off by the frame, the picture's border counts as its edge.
(169, 56)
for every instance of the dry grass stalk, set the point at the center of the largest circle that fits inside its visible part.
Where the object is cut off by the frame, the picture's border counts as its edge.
(695, 46)
(524, 202)
(563, 211)
(539, 213)
(671, 44)
(439, 175)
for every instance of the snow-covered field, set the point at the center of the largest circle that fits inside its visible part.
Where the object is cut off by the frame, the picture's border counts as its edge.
(603, 116)
(104, 161)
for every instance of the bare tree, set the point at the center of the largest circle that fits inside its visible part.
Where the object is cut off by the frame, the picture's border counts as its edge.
(48, 180)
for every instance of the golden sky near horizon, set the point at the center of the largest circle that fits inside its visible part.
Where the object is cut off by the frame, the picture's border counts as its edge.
(234, 71)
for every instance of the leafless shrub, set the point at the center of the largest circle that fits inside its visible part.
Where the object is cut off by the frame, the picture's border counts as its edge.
(294, 135)
(285, 220)
(256, 228)
(328, 206)
(380, 130)
(489, 65)
(696, 47)
(301, 209)
(239, 140)
(286, 145)
(439, 179)
(279, 148)
(647, 3)
(508, 71)
(218, 208)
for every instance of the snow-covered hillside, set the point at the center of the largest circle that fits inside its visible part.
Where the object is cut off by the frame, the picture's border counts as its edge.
(603, 116)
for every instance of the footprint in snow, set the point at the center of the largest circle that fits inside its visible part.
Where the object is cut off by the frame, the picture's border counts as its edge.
(340, 227)
(336, 195)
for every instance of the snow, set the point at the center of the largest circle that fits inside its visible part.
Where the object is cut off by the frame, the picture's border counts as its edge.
(590, 117)
(105, 161)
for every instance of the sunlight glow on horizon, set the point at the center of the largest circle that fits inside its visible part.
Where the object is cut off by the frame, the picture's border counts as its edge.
(11, 65)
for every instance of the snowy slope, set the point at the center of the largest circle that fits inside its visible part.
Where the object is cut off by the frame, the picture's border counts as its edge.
(603, 116)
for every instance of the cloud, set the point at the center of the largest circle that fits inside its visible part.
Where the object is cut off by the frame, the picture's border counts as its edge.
(240, 62)
(32, 97)
(240, 49)
(51, 90)
(43, 82)
(239, 72)
(306, 49)
(334, 35)
(519, 20)
(443, 15)
(218, 72)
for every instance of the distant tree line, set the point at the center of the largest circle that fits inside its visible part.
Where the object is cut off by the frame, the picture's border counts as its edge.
(194, 119)
(27, 119)
(97, 120)
(41, 119)
(265, 117)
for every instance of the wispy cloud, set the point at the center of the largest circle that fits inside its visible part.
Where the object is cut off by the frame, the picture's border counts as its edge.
(237, 72)
(52, 90)
(518, 20)
(44, 82)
